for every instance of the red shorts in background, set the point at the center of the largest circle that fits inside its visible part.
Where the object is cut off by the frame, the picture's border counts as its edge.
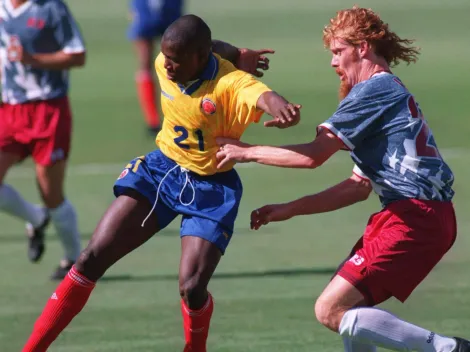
(42, 129)
(399, 248)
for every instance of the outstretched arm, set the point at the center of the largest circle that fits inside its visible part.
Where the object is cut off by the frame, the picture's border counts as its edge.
(251, 61)
(59, 60)
(54, 61)
(346, 193)
(308, 155)
(226, 50)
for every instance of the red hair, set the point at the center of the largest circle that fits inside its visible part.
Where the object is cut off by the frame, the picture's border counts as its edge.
(359, 24)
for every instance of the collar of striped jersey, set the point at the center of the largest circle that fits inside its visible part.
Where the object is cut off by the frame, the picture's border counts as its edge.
(15, 12)
(209, 74)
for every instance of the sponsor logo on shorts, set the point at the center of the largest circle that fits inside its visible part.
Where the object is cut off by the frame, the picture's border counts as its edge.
(208, 106)
(226, 235)
(430, 337)
(356, 259)
(57, 155)
(123, 174)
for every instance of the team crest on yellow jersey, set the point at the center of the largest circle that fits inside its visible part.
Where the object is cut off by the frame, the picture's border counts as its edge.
(208, 106)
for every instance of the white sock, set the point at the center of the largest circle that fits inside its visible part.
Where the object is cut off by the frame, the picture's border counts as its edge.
(65, 222)
(12, 202)
(356, 346)
(380, 328)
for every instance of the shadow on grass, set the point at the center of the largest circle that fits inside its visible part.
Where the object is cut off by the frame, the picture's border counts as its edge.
(240, 275)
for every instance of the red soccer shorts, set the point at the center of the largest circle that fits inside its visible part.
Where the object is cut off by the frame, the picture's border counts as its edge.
(41, 129)
(399, 248)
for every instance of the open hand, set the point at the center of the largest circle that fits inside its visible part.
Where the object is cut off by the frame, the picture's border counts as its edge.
(231, 150)
(285, 115)
(252, 61)
(269, 213)
(16, 53)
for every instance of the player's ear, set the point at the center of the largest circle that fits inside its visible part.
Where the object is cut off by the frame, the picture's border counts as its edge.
(201, 55)
(204, 53)
(364, 47)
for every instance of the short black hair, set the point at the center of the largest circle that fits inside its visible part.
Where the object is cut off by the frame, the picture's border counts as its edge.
(189, 32)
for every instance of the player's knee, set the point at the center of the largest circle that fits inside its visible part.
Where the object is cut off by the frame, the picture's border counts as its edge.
(50, 181)
(145, 67)
(193, 291)
(7, 160)
(53, 200)
(327, 315)
(145, 56)
(52, 196)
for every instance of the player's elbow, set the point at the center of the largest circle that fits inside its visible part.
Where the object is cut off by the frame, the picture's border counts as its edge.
(314, 162)
(363, 190)
(311, 163)
(364, 195)
(317, 155)
(360, 187)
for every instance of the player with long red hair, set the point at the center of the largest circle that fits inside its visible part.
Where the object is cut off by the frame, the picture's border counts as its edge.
(395, 154)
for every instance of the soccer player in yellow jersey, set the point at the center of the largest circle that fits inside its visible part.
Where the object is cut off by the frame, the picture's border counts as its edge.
(203, 97)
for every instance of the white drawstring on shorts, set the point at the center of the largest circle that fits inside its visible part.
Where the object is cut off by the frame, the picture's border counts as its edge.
(186, 182)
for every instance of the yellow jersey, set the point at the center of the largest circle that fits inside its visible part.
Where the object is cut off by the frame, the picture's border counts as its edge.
(221, 103)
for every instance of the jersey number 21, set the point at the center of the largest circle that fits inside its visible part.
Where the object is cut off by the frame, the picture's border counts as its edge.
(183, 135)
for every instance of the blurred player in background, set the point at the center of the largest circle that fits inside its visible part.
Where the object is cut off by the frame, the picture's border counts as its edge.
(204, 96)
(395, 154)
(39, 43)
(150, 18)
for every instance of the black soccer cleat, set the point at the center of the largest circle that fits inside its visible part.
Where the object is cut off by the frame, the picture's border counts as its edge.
(62, 270)
(36, 236)
(462, 345)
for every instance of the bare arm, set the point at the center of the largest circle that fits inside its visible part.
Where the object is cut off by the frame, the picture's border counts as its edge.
(59, 60)
(346, 193)
(226, 51)
(56, 61)
(308, 155)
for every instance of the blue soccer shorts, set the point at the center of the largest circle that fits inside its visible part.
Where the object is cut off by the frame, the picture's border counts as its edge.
(150, 18)
(208, 204)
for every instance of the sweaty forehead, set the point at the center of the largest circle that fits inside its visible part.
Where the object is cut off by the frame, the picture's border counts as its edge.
(338, 43)
(172, 48)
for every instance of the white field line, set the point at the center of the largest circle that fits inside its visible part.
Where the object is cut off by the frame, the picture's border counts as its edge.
(102, 169)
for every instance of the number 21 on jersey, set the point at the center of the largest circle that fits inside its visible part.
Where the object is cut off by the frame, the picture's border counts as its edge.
(183, 134)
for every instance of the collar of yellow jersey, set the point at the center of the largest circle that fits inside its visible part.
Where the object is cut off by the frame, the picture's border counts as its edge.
(209, 73)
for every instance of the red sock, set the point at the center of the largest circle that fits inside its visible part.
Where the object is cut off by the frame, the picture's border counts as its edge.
(65, 303)
(196, 325)
(147, 97)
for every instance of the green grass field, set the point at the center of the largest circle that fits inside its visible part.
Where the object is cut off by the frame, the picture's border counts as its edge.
(267, 282)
